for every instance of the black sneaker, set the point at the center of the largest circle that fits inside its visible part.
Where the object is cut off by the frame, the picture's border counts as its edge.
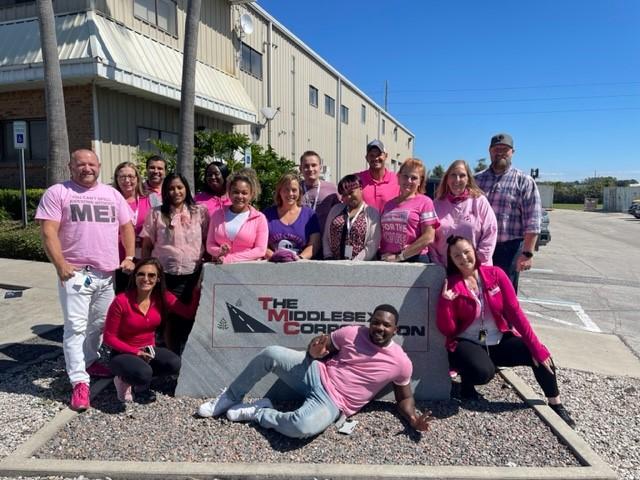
(563, 413)
(144, 397)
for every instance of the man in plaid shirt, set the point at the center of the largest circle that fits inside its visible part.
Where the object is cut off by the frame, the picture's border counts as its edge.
(516, 202)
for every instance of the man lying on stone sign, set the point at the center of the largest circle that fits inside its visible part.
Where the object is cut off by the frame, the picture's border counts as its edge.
(338, 373)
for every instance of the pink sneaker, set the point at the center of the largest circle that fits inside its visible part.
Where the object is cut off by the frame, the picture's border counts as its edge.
(123, 390)
(80, 397)
(97, 369)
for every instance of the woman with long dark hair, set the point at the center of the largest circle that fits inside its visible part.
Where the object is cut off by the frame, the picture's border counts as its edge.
(130, 327)
(485, 327)
(175, 233)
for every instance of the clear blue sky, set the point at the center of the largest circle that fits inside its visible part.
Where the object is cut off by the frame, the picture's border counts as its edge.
(563, 77)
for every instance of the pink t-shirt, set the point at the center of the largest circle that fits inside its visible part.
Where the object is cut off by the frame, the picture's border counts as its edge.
(140, 207)
(90, 220)
(212, 202)
(361, 368)
(378, 192)
(402, 223)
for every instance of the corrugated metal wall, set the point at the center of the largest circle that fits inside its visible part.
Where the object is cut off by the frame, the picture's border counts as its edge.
(120, 115)
(618, 199)
(299, 126)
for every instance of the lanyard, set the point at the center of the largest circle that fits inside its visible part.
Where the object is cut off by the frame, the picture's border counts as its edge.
(351, 220)
(134, 210)
(315, 200)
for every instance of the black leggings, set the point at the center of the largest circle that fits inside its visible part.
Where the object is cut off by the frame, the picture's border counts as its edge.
(135, 371)
(477, 368)
(177, 328)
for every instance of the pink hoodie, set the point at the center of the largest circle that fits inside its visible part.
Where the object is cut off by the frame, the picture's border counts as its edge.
(455, 316)
(250, 242)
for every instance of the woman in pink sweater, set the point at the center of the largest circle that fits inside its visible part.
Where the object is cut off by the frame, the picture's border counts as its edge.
(485, 327)
(238, 232)
(463, 210)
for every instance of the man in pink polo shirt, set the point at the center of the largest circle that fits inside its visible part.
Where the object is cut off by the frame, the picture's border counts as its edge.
(338, 374)
(379, 185)
(79, 223)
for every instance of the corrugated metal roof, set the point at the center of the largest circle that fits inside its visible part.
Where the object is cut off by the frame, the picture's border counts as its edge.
(118, 54)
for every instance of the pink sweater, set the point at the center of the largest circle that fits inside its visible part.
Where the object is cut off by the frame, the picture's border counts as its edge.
(473, 219)
(455, 316)
(249, 244)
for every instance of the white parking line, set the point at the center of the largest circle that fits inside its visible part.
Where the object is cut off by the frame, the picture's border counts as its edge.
(541, 270)
(552, 319)
(587, 323)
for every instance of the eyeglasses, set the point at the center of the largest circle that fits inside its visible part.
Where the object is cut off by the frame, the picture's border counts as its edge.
(131, 178)
(150, 276)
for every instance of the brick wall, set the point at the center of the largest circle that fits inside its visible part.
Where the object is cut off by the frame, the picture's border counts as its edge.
(30, 104)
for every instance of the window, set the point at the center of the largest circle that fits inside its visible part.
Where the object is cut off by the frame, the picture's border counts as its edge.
(146, 135)
(363, 114)
(313, 96)
(329, 106)
(251, 61)
(161, 13)
(344, 114)
(37, 142)
(395, 134)
(384, 126)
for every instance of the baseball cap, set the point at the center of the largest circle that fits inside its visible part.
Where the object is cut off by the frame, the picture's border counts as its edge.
(375, 144)
(501, 139)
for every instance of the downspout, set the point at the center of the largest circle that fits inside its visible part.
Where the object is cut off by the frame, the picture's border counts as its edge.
(339, 129)
(269, 74)
(96, 122)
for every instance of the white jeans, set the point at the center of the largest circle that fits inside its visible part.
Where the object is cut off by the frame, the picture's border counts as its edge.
(85, 298)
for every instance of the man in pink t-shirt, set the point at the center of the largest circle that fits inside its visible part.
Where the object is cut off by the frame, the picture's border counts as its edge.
(360, 362)
(80, 220)
(379, 185)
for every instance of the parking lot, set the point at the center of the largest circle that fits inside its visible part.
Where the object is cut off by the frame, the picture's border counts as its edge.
(588, 276)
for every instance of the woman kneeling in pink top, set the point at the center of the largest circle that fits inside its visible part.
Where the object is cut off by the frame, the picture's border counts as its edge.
(238, 232)
(130, 328)
(463, 210)
(485, 327)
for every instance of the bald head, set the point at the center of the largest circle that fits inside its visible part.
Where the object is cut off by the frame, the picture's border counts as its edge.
(84, 167)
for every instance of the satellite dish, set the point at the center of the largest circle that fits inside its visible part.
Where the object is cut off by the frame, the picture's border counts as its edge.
(246, 24)
(269, 112)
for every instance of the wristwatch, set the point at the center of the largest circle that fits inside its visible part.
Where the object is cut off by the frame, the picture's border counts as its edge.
(527, 254)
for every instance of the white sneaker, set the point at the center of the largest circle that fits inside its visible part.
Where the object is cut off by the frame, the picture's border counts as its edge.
(123, 390)
(246, 412)
(216, 406)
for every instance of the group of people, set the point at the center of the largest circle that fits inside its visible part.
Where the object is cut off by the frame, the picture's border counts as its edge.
(155, 235)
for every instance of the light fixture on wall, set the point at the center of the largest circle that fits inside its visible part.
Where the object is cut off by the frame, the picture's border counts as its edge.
(269, 113)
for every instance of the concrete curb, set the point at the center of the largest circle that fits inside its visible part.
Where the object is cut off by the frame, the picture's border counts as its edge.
(20, 463)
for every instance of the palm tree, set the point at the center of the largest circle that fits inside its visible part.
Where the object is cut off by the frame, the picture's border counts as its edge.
(187, 97)
(54, 96)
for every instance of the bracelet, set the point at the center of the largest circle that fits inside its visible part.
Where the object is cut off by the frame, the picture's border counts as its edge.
(130, 258)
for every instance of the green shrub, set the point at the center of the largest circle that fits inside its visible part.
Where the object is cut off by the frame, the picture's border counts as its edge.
(11, 203)
(21, 243)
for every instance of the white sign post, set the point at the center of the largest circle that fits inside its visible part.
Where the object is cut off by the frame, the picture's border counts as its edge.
(20, 143)
(247, 157)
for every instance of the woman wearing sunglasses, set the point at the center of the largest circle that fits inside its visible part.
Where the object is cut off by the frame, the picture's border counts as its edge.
(130, 329)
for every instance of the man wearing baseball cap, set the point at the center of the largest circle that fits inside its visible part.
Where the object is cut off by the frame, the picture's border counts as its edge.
(379, 185)
(516, 202)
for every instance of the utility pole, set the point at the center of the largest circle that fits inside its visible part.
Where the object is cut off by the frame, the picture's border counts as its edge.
(386, 95)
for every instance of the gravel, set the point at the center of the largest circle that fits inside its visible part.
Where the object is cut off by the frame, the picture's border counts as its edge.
(471, 433)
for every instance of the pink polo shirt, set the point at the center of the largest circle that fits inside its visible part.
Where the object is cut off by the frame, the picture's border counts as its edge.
(378, 192)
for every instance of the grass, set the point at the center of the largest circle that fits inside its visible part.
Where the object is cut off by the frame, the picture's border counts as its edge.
(572, 206)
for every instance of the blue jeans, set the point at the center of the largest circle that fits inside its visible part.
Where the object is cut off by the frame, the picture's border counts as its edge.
(505, 256)
(300, 373)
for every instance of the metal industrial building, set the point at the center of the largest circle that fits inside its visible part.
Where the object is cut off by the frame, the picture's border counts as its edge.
(121, 65)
